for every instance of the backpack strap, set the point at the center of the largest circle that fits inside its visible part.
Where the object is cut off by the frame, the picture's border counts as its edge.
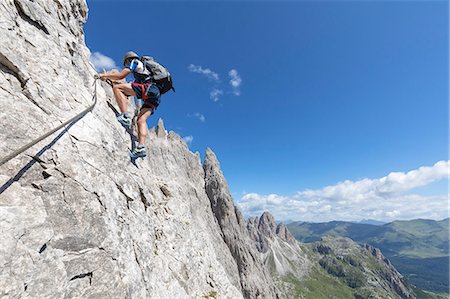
(170, 79)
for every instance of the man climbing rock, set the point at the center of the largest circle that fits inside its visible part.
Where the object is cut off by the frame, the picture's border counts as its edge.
(151, 80)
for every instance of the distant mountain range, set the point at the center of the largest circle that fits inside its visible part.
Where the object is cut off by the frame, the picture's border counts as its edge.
(371, 221)
(334, 267)
(419, 249)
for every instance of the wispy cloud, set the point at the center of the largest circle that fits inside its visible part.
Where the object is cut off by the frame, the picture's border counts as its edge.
(235, 81)
(215, 94)
(101, 61)
(188, 139)
(198, 115)
(384, 199)
(216, 91)
(213, 76)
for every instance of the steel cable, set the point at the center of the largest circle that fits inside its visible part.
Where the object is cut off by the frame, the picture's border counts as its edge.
(30, 144)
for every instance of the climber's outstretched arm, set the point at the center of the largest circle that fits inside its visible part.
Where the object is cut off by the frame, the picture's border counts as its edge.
(117, 76)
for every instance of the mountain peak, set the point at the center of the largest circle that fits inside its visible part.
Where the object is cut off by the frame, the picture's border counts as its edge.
(264, 228)
(267, 224)
(283, 232)
(211, 158)
(254, 278)
(160, 130)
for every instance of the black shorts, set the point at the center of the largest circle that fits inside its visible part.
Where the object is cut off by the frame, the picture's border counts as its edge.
(149, 93)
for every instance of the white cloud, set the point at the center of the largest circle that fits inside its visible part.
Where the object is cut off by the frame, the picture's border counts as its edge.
(188, 139)
(101, 61)
(235, 81)
(393, 214)
(213, 76)
(382, 199)
(198, 115)
(215, 94)
(394, 182)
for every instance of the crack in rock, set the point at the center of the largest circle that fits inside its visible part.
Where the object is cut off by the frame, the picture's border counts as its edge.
(28, 19)
(84, 141)
(99, 200)
(46, 174)
(43, 248)
(8, 67)
(144, 198)
(140, 267)
(165, 190)
(83, 275)
(123, 192)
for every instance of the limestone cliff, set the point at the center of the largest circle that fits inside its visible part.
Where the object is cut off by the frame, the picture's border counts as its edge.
(78, 220)
(281, 253)
(232, 224)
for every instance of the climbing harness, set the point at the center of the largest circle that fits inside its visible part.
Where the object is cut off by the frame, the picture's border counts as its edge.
(76, 117)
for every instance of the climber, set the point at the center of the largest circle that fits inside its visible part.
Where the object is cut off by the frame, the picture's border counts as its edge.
(151, 80)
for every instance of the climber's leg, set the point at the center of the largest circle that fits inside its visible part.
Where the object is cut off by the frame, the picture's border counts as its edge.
(139, 151)
(121, 92)
(143, 115)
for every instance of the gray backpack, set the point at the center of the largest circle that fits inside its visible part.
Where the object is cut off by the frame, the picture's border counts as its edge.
(158, 74)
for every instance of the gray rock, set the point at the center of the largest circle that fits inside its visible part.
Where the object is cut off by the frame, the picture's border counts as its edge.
(281, 253)
(283, 232)
(267, 224)
(254, 279)
(160, 130)
(381, 279)
(393, 278)
(78, 220)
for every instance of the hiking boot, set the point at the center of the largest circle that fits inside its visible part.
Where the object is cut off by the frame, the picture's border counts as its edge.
(124, 120)
(138, 152)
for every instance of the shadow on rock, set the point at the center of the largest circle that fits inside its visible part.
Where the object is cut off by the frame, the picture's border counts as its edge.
(36, 158)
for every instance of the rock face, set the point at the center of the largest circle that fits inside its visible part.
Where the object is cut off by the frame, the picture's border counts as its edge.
(255, 280)
(363, 268)
(281, 253)
(393, 279)
(283, 232)
(78, 220)
(265, 228)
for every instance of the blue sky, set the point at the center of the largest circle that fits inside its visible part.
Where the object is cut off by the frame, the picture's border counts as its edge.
(328, 91)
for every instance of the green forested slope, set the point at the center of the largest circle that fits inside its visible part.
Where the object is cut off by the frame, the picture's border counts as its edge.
(419, 249)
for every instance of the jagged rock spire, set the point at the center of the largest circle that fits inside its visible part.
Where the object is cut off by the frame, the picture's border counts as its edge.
(267, 224)
(160, 130)
(283, 232)
(255, 279)
(264, 228)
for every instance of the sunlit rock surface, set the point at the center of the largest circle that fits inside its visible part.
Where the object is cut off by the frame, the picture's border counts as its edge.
(77, 218)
